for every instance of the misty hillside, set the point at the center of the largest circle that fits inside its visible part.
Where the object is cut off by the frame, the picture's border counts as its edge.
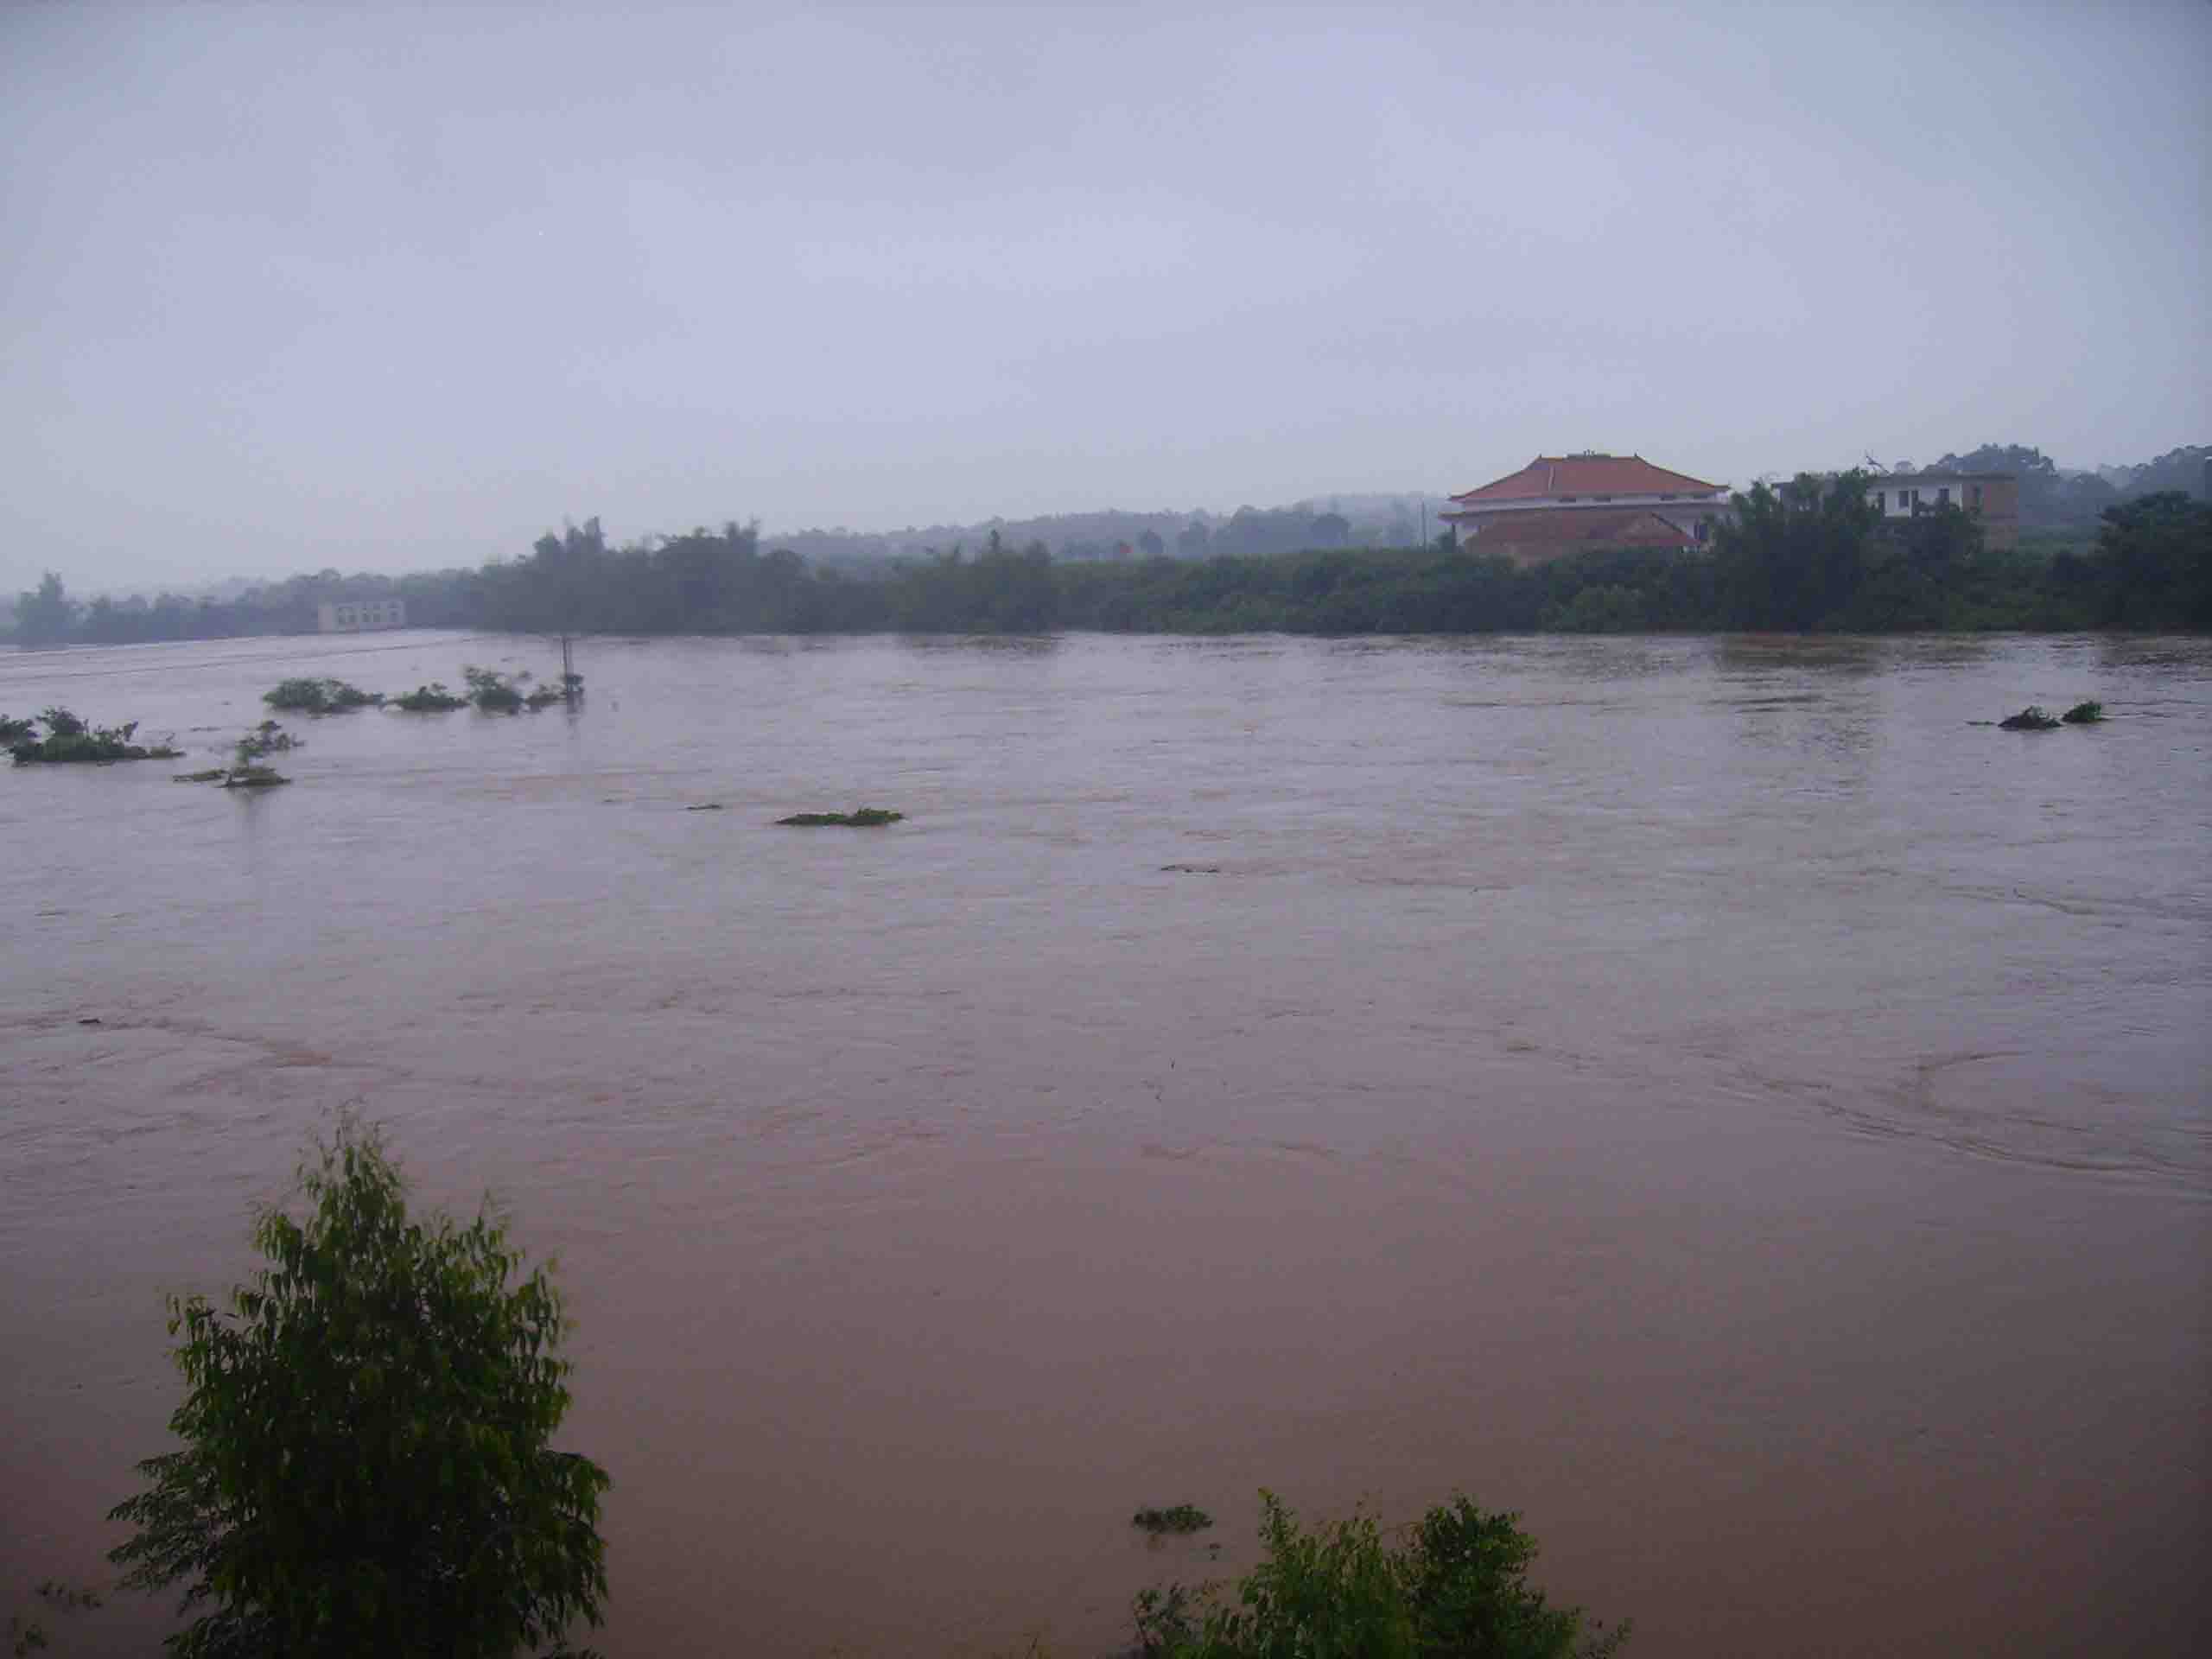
(2054, 496)
(1350, 520)
(2051, 497)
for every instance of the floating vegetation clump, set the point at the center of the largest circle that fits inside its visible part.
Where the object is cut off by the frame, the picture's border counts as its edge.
(313, 696)
(246, 770)
(16, 730)
(2033, 718)
(2084, 714)
(431, 699)
(1182, 1517)
(866, 818)
(255, 777)
(69, 741)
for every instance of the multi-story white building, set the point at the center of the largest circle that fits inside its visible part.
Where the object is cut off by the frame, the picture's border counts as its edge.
(1993, 498)
(359, 615)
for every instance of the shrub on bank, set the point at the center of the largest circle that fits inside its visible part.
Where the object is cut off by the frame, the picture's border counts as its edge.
(1457, 1588)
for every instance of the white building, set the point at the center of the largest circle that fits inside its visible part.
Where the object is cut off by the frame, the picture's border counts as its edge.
(356, 615)
(1993, 498)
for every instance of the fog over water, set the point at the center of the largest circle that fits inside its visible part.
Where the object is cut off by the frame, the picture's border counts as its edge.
(1703, 1093)
(388, 287)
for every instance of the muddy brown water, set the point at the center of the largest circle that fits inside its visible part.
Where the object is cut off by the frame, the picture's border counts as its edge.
(1704, 1094)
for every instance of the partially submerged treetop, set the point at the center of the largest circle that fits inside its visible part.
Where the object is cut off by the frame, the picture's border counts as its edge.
(367, 1467)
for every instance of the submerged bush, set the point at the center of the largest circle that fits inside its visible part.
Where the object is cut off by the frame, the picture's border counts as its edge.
(430, 699)
(1182, 1517)
(2033, 718)
(265, 740)
(492, 691)
(313, 696)
(2083, 714)
(1457, 1588)
(69, 741)
(16, 730)
(245, 771)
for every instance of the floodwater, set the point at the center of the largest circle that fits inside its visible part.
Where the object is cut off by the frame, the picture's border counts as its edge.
(1705, 1094)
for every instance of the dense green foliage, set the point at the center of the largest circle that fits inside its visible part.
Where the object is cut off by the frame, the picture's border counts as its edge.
(366, 1466)
(69, 741)
(13, 731)
(1806, 554)
(1456, 1588)
(1809, 554)
(312, 696)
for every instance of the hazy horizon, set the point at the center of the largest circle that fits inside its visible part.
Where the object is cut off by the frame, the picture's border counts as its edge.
(394, 288)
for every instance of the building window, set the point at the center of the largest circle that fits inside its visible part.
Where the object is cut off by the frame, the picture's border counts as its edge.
(1973, 495)
(1881, 500)
(1944, 495)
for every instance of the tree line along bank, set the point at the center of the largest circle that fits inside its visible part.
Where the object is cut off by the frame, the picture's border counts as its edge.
(1811, 555)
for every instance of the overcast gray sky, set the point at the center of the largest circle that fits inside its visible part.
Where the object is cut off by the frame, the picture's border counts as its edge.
(389, 288)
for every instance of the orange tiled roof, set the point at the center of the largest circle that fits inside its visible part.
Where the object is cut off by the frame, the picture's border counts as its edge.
(1555, 475)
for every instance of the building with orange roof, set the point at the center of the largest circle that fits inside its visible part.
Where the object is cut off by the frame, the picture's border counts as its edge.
(1559, 504)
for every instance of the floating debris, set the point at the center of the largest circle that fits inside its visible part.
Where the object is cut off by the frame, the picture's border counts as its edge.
(255, 777)
(705, 806)
(2084, 714)
(1190, 869)
(1184, 1517)
(866, 818)
(2033, 718)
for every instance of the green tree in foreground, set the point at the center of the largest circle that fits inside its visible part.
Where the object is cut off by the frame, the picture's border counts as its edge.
(1458, 1588)
(366, 1467)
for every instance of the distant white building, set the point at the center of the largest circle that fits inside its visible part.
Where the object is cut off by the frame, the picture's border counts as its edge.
(1993, 498)
(356, 615)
